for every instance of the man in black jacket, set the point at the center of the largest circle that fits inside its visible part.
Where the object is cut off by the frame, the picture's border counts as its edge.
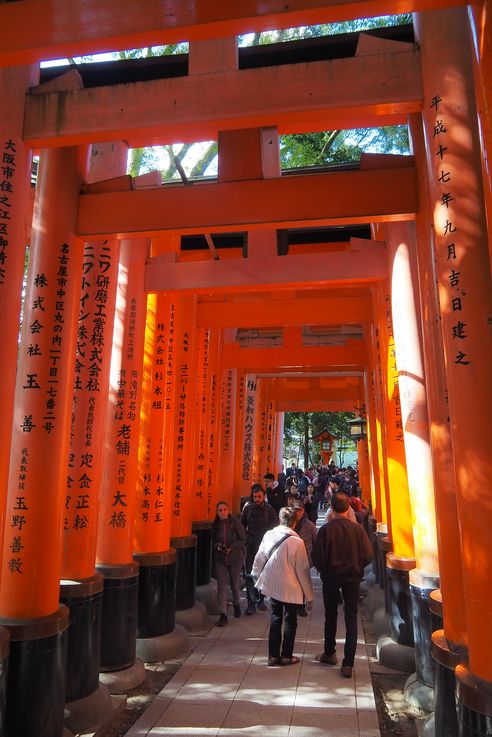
(257, 517)
(340, 553)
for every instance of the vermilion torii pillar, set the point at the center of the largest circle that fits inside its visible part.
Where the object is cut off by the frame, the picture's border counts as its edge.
(180, 391)
(248, 431)
(448, 601)
(81, 587)
(157, 636)
(450, 555)
(227, 435)
(405, 307)
(32, 545)
(201, 481)
(463, 275)
(118, 492)
(15, 210)
(401, 560)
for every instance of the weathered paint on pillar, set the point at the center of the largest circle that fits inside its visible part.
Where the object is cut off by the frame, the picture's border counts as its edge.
(448, 532)
(32, 546)
(400, 241)
(400, 508)
(463, 274)
(227, 436)
(180, 405)
(153, 507)
(118, 493)
(15, 211)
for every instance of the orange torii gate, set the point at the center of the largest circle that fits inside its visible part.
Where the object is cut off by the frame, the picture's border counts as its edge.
(381, 286)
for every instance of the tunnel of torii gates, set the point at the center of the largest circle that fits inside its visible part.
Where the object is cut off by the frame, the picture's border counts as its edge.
(150, 379)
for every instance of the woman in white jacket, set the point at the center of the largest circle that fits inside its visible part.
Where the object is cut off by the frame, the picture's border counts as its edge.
(282, 571)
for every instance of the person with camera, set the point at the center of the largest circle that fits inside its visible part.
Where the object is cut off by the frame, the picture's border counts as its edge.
(228, 541)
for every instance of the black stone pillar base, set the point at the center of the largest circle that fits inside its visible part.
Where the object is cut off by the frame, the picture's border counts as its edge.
(436, 610)
(474, 704)
(84, 600)
(185, 570)
(4, 663)
(421, 586)
(203, 532)
(399, 599)
(156, 593)
(446, 659)
(36, 677)
(119, 616)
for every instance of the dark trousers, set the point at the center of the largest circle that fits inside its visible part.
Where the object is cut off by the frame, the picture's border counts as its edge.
(350, 594)
(279, 647)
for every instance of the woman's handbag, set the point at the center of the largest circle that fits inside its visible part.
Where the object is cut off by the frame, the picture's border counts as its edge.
(252, 592)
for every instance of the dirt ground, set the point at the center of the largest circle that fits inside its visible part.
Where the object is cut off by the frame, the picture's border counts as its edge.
(396, 717)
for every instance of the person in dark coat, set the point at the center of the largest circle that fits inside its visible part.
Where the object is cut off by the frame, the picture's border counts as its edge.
(274, 492)
(257, 517)
(340, 553)
(228, 541)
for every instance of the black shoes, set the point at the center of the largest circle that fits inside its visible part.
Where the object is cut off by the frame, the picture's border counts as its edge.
(346, 671)
(223, 620)
(237, 610)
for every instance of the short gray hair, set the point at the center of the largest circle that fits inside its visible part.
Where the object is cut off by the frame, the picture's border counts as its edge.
(287, 516)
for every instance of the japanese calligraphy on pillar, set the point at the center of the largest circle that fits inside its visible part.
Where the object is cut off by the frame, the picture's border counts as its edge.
(203, 410)
(94, 339)
(8, 170)
(445, 141)
(226, 414)
(43, 373)
(248, 427)
(150, 484)
(393, 380)
(212, 451)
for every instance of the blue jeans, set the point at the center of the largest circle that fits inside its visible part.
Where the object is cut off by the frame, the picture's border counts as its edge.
(279, 647)
(350, 593)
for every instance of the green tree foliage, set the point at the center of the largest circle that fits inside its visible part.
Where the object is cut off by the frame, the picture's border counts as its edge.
(302, 426)
(296, 150)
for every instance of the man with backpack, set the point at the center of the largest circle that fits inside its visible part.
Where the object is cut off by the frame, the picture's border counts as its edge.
(257, 517)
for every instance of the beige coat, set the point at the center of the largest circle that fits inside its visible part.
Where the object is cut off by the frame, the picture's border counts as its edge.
(285, 575)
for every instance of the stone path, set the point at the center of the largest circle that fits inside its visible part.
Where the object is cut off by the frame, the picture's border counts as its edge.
(225, 689)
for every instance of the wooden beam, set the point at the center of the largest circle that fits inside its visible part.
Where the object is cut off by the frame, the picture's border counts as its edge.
(322, 95)
(335, 198)
(264, 313)
(307, 357)
(306, 395)
(261, 274)
(33, 30)
(316, 405)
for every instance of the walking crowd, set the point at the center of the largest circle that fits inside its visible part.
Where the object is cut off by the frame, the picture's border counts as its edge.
(274, 545)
